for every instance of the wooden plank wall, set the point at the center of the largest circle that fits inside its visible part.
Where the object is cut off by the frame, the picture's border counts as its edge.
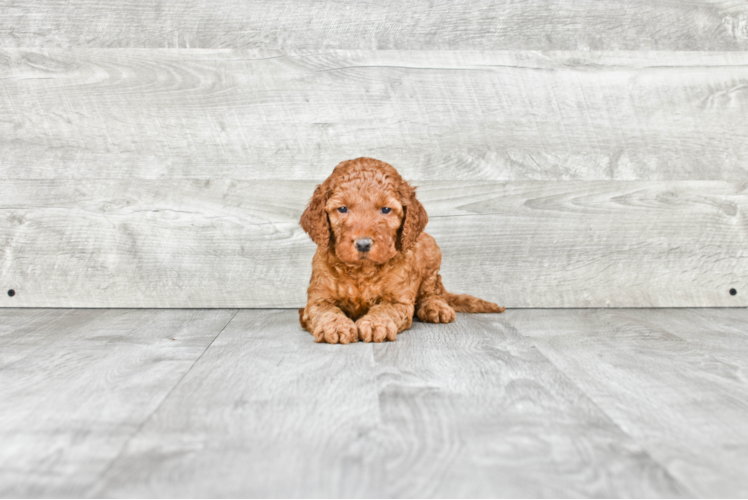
(570, 154)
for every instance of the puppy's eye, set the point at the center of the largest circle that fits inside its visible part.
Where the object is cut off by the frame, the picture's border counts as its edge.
(343, 210)
(386, 210)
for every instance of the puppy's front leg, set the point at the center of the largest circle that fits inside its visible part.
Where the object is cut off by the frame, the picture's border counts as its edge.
(327, 322)
(384, 321)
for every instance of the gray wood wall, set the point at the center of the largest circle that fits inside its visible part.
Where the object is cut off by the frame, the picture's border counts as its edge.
(570, 154)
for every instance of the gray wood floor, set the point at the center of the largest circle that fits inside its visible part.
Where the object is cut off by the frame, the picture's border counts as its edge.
(159, 403)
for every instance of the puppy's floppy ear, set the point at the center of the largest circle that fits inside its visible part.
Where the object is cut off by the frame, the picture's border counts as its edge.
(415, 219)
(314, 219)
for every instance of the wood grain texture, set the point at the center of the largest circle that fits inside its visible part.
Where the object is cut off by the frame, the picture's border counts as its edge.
(76, 385)
(413, 24)
(191, 243)
(259, 114)
(469, 409)
(530, 403)
(266, 412)
(675, 381)
(473, 410)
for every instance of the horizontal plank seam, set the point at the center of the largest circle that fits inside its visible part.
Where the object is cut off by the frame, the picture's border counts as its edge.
(137, 431)
(296, 308)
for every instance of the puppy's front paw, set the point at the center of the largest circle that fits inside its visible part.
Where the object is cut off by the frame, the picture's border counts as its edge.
(335, 328)
(377, 329)
(436, 311)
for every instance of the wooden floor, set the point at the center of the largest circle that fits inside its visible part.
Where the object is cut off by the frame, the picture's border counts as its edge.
(207, 403)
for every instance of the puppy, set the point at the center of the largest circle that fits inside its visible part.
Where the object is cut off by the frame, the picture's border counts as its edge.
(374, 267)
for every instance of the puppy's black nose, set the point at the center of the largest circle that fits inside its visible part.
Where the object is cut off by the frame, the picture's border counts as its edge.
(363, 244)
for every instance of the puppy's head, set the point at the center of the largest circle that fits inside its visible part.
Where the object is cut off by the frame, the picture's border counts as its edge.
(365, 213)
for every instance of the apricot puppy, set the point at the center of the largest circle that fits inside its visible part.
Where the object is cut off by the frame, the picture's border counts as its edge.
(374, 266)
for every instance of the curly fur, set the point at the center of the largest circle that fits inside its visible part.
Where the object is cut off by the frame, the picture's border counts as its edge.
(373, 295)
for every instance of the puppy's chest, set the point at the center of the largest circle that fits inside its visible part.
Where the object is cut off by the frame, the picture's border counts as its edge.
(364, 292)
(357, 295)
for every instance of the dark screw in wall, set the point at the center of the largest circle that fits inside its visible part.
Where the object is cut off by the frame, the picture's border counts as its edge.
(733, 291)
(11, 293)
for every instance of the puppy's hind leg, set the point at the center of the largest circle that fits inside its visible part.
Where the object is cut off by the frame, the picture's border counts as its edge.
(432, 305)
(434, 309)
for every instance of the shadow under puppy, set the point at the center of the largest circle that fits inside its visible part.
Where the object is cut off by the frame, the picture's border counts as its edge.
(374, 266)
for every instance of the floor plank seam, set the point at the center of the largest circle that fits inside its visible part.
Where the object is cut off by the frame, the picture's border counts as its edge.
(137, 431)
(644, 448)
